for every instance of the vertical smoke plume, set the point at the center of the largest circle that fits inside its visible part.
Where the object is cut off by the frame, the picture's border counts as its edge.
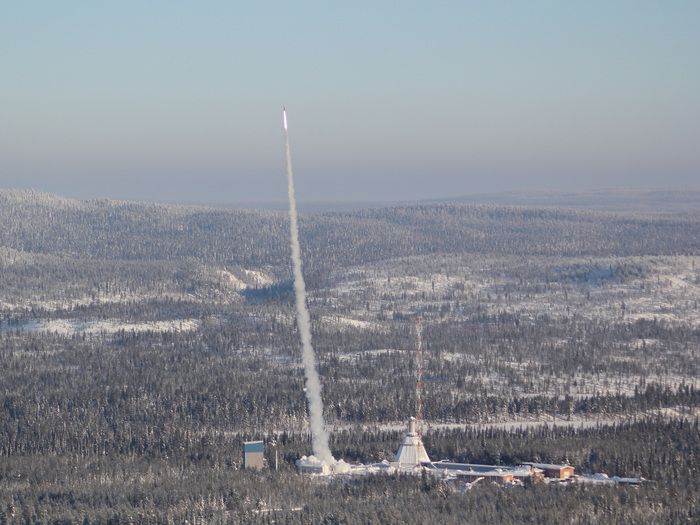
(319, 435)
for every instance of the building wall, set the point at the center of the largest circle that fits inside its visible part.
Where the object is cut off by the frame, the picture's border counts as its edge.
(566, 473)
(553, 471)
(253, 460)
(253, 454)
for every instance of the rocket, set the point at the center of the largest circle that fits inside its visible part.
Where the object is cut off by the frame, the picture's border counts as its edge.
(284, 117)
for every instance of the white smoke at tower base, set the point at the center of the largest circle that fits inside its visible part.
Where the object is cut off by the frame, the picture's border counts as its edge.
(319, 435)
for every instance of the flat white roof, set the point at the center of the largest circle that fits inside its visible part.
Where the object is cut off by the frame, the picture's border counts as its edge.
(548, 466)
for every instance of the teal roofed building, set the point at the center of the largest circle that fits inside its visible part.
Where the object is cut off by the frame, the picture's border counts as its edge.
(253, 454)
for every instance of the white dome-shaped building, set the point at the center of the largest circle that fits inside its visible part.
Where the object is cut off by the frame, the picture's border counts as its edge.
(411, 452)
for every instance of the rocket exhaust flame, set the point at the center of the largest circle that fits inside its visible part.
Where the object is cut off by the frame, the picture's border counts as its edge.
(313, 383)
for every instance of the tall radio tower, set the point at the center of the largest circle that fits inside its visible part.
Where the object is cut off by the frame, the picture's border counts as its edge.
(419, 376)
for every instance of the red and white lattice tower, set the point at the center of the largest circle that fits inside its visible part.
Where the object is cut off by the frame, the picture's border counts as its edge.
(419, 377)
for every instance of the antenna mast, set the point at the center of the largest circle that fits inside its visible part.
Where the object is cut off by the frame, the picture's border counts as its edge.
(419, 375)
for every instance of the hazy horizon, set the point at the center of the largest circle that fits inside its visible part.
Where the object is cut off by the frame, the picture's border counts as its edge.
(387, 102)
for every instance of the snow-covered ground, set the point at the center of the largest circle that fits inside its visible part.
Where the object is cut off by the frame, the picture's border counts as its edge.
(354, 356)
(668, 288)
(454, 289)
(511, 425)
(257, 277)
(311, 466)
(68, 327)
(53, 305)
(341, 321)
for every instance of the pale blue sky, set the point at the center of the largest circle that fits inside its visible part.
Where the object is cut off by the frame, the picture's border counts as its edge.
(175, 101)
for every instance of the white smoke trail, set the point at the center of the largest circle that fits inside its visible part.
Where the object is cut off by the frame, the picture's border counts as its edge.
(319, 435)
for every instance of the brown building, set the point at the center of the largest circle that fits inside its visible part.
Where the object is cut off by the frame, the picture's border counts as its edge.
(554, 471)
(528, 473)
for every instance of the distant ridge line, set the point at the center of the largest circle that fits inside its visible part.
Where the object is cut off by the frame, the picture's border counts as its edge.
(655, 200)
(671, 199)
(651, 200)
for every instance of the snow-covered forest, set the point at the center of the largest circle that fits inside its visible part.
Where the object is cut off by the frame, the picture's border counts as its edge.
(142, 343)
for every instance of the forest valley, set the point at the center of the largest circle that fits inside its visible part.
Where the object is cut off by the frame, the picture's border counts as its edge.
(142, 344)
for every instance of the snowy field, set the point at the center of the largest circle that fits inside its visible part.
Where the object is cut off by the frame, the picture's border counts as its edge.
(68, 327)
(448, 293)
(667, 288)
(603, 291)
